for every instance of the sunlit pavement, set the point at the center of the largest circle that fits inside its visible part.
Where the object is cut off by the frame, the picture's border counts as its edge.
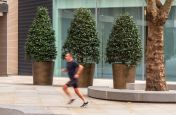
(18, 93)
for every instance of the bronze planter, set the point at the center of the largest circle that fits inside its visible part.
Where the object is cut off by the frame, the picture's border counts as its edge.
(86, 78)
(43, 72)
(123, 74)
(131, 74)
(119, 76)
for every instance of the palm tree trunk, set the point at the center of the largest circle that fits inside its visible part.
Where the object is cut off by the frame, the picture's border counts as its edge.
(155, 69)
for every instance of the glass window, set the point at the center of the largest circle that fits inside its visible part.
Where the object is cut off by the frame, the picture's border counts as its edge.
(104, 12)
(169, 46)
(105, 21)
(65, 16)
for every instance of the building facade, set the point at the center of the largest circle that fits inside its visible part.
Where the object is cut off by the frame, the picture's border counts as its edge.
(8, 37)
(105, 12)
(27, 11)
(15, 23)
(15, 19)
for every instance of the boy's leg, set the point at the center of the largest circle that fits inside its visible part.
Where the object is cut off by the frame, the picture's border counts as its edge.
(76, 89)
(65, 88)
(79, 94)
(85, 103)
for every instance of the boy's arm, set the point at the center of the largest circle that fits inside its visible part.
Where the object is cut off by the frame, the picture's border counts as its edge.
(80, 69)
(64, 70)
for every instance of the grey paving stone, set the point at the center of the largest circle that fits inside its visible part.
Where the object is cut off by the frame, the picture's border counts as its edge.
(18, 93)
(6, 111)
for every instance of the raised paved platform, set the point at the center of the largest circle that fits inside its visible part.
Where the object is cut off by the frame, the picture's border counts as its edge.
(134, 92)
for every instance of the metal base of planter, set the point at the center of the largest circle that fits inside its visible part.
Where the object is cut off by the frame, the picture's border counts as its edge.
(122, 74)
(43, 73)
(86, 79)
(131, 75)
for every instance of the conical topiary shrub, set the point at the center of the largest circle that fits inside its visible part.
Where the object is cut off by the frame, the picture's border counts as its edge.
(83, 43)
(40, 47)
(124, 45)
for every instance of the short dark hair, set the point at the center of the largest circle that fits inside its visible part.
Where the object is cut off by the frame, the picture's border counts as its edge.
(69, 54)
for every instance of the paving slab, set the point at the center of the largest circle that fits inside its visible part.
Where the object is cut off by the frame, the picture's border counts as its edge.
(19, 97)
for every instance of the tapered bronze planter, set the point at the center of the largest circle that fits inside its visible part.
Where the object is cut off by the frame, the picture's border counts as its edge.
(119, 76)
(131, 75)
(86, 78)
(123, 74)
(43, 73)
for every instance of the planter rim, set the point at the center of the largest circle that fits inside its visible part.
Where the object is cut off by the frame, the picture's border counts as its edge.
(123, 64)
(43, 61)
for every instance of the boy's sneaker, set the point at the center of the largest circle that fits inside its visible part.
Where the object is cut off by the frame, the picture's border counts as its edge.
(84, 104)
(71, 101)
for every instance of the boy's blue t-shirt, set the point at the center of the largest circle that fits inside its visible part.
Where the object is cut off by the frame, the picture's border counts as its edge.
(72, 69)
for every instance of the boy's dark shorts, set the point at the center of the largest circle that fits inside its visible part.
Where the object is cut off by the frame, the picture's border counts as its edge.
(73, 83)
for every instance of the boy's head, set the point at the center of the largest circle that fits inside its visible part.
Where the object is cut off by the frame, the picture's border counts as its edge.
(68, 57)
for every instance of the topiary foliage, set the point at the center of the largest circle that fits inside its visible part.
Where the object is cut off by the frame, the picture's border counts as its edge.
(82, 40)
(40, 44)
(124, 44)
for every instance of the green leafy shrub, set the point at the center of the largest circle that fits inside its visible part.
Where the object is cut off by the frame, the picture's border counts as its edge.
(124, 44)
(40, 44)
(82, 40)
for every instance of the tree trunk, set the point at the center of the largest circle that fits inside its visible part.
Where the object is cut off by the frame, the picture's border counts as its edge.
(155, 69)
(157, 14)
